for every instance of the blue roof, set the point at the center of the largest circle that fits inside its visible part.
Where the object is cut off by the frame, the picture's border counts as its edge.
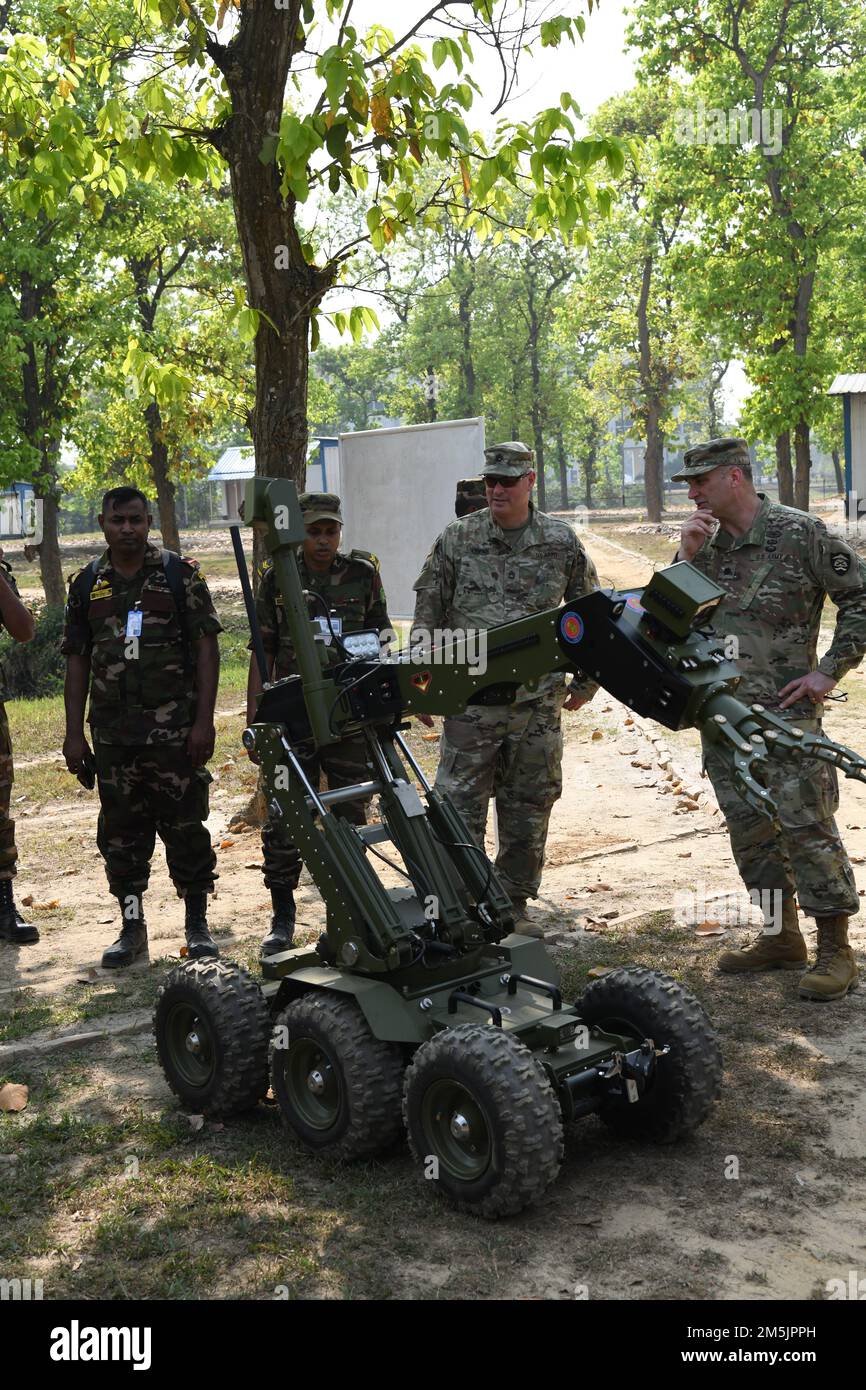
(234, 464)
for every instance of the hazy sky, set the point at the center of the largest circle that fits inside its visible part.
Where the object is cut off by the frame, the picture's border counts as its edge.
(591, 71)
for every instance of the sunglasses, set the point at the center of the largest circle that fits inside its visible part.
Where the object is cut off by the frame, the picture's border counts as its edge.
(492, 482)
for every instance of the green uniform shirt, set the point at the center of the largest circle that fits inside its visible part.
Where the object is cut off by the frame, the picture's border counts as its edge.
(352, 589)
(479, 576)
(777, 577)
(149, 698)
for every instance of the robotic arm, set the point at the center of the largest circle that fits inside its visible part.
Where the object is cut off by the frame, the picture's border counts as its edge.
(649, 648)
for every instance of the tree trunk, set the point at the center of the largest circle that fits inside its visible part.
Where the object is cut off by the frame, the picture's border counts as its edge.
(563, 472)
(467, 365)
(651, 404)
(535, 410)
(50, 566)
(280, 282)
(589, 475)
(837, 469)
(165, 489)
(783, 469)
(653, 468)
(803, 464)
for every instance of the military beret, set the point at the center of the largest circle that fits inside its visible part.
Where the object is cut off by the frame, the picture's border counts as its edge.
(703, 458)
(320, 506)
(509, 460)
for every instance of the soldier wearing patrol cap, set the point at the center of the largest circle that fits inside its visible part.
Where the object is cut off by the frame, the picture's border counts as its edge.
(351, 591)
(778, 564)
(491, 567)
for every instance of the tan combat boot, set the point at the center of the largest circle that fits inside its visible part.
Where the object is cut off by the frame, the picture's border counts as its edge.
(834, 971)
(523, 925)
(783, 950)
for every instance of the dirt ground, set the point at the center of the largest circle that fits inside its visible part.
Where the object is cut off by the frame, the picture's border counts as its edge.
(109, 1190)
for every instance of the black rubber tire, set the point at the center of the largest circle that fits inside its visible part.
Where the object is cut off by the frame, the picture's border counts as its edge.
(360, 1115)
(515, 1106)
(688, 1080)
(223, 1004)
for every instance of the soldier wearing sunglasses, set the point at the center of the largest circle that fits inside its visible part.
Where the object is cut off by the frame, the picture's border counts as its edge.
(490, 567)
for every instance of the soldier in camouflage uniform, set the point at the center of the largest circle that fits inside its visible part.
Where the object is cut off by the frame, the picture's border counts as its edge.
(491, 567)
(778, 565)
(471, 496)
(141, 630)
(350, 588)
(18, 622)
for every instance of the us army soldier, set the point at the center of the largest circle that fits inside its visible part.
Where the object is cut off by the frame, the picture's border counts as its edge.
(141, 630)
(490, 567)
(778, 565)
(351, 593)
(18, 622)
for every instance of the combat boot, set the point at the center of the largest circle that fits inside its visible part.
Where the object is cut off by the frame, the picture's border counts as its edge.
(282, 930)
(12, 925)
(131, 943)
(523, 925)
(834, 971)
(199, 942)
(783, 950)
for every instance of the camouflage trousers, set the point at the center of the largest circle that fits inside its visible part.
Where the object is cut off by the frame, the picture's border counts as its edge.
(512, 752)
(8, 852)
(800, 851)
(145, 792)
(343, 764)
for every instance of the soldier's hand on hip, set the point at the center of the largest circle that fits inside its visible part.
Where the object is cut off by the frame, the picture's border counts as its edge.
(812, 687)
(200, 743)
(694, 532)
(75, 750)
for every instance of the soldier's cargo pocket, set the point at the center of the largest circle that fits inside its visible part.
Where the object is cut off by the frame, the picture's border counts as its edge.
(203, 780)
(6, 774)
(806, 794)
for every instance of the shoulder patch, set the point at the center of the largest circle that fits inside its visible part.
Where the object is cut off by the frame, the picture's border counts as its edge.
(840, 563)
(188, 560)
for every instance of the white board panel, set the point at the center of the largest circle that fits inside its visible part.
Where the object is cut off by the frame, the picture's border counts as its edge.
(398, 488)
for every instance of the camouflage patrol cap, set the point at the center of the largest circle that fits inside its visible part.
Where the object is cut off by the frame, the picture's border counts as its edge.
(509, 460)
(703, 458)
(471, 496)
(320, 506)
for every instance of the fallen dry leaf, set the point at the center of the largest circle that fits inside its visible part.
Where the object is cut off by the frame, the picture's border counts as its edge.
(184, 952)
(13, 1097)
(47, 907)
(429, 738)
(609, 916)
(226, 844)
(596, 733)
(684, 854)
(638, 762)
(196, 1122)
(628, 721)
(709, 928)
(253, 864)
(598, 970)
(28, 901)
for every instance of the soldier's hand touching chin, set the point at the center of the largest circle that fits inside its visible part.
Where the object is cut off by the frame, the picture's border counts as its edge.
(812, 687)
(200, 744)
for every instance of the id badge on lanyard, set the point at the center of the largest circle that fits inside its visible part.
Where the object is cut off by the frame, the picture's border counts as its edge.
(133, 622)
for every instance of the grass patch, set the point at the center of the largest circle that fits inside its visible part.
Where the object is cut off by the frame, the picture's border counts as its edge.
(24, 1013)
